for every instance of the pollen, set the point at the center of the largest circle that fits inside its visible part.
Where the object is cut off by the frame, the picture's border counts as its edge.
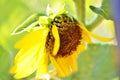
(70, 35)
(50, 42)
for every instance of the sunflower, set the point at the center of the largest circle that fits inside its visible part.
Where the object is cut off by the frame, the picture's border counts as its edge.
(59, 39)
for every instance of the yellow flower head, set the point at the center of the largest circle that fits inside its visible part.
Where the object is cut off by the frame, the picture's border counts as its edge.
(59, 38)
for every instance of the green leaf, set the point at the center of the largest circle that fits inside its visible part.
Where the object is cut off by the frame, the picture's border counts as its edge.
(29, 23)
(43, 20)
(98, 62)
(104, 10)
(5, 63)
(117, 78)
(12, 14)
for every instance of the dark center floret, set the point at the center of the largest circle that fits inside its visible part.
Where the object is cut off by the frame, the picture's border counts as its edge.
(70, 35)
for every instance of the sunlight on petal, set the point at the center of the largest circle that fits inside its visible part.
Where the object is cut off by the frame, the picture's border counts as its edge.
(64, 65)
(57, 66)
(32, 38)
(57, 40)
(26, 54)
(26, 66)
(27, 60)
(101, 38)
(96, 36)
(73, 63)
(43, 65)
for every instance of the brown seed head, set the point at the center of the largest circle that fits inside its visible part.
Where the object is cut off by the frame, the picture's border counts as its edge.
(70, 35)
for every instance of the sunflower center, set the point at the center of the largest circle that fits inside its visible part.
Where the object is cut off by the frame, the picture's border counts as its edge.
(70, 35)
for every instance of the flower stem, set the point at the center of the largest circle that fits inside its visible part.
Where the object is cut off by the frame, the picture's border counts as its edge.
(95, 23)
(80, 10)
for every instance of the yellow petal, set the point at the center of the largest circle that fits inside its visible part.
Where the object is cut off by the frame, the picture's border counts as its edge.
(57, 66)
(26, 65)
(41, 35)
(64, 64)
(13, 69)
(21, 60)
(43, 65)
(95, 36)
(86, 36)
(27, 60)
(101, 38)
(25, 54)
(26, 70)
(32, 38)
(72, 61)
(57, 40)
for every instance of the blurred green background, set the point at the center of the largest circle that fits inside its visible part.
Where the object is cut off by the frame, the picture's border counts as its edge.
(98, 62)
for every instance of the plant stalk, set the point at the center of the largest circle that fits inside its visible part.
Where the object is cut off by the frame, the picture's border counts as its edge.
(91, 26)
(80, 10)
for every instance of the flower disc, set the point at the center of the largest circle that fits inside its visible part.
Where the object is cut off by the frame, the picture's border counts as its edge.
(70, 35)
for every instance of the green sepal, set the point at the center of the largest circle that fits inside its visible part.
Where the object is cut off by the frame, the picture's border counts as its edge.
(43, 20)
(49, 11)
(104, 10)
(62, 11)
(28, 24)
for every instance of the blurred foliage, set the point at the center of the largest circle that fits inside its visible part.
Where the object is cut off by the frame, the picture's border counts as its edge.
(98, 62)
(104, 10)
(5, 59)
